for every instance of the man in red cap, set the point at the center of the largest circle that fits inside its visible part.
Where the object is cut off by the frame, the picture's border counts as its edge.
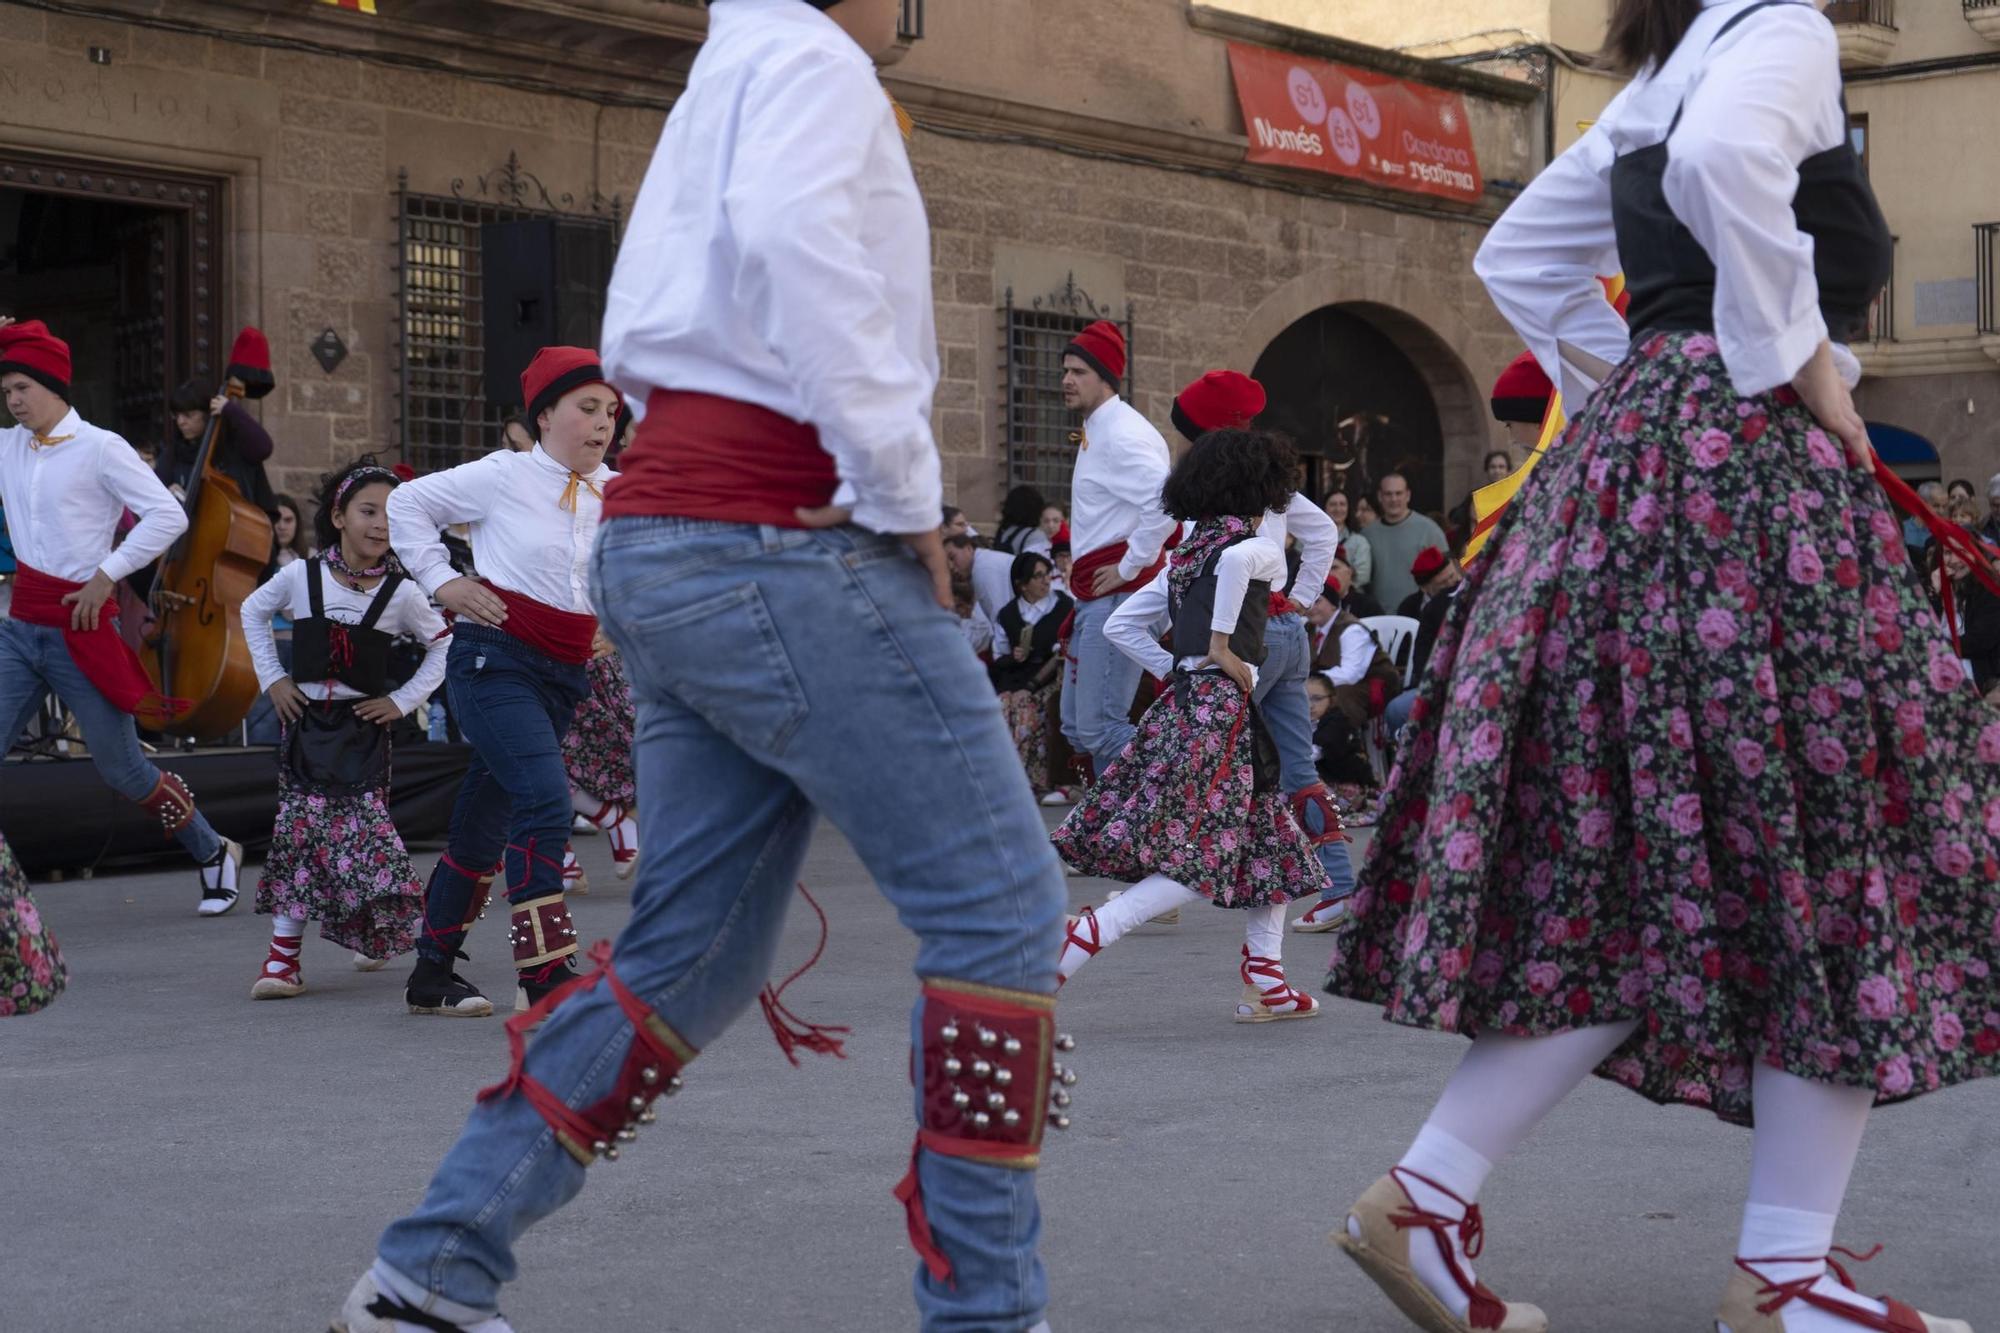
(523, 635)
(1436, 574)
(1521, 401)
(773, 575)
(242, 444)
(1117, 530)
(1231, 400)
(64, 485)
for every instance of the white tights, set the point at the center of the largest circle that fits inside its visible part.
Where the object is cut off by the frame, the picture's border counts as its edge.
(1263, 927)
(1802, 1153)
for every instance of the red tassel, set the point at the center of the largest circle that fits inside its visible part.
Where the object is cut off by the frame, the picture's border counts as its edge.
(910, 1192)
(795, 1033)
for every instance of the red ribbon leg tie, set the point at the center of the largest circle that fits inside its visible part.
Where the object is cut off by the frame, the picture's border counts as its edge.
(1317, 797)
(171, 803)
(651, 1070)
(988, 1087)
(795, 1033)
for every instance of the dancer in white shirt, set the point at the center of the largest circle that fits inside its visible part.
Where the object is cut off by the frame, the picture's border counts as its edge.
(335, 854)
(516, 671)
(1117, 529)
(1694, 795)
(791, 656)
(64, 484)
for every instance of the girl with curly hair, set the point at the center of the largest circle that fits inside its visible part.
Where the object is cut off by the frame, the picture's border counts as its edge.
(335, 854)
(1192, 808)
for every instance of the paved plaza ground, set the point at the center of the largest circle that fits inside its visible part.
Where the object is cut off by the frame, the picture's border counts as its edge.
(182, 1160)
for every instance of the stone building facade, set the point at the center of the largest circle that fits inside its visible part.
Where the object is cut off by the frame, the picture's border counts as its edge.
(325, 175)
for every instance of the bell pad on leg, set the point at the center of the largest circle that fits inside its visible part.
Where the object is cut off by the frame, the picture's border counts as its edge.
(985, 1066)
(1316, 797)
(541, 932)
(171, 803)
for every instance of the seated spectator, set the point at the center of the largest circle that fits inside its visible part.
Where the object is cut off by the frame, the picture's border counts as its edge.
(1356, 601)
(990, 572)
(1398, 712)
(1436, 574)
(1960, 488)
(1917, 537)
(1021, 522)
(1053, 521)
(1978, 613)
(1989, 526)
(954, 523)
(1027, 662)
(1059, 552)
(1354, 547)
(972, 622)
(1338, 755)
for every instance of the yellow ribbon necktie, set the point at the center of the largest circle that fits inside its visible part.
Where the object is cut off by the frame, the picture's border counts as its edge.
(904, 122)
(568, 500)
(1081, 439)
(50, 441)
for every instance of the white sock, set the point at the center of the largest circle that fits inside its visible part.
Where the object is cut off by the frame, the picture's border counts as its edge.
(1803, 1238)
(285, 939)
(1442, 1161)
(587, 805)
(1264, 931)
(1135, 906)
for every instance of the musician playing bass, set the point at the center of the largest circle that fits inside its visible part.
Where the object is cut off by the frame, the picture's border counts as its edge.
(64, 483)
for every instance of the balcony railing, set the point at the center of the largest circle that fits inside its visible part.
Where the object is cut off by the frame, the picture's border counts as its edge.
(1878, 13)
(1986, 241)
(1867, 31)
(911, 25)
(1882, 315)
(1984, 16)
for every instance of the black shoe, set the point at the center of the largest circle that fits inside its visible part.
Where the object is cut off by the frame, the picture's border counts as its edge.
(435, 989)
(542, 982)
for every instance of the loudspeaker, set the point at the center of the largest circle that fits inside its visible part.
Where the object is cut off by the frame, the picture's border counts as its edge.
(543, 286)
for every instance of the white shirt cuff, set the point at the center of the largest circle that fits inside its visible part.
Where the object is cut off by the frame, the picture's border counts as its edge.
(1763, 366)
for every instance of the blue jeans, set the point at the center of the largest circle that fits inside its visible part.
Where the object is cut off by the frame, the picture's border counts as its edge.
(1098, 690)
(779, 674)
(513, 703)
(1397, 714)
(33, 662)
(1281, 698)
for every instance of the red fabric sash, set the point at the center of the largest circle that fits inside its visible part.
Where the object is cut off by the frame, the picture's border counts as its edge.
(696, 455)
(105, 659)
(566, 636)
(1083, 570)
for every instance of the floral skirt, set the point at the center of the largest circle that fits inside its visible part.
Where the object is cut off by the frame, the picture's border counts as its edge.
(1181, 802)
(1027, 713)
(338, 860)
(597, 750)
(1694, 751)
(31, 966)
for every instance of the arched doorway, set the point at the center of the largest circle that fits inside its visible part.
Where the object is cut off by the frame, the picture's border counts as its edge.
(1355, 403)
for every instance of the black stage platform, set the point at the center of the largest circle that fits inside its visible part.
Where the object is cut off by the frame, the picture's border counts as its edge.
(58, 815)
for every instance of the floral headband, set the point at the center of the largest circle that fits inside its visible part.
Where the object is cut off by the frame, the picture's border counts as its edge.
(358, 477)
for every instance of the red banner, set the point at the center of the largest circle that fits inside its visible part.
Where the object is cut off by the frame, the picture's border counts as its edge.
(1318, 116)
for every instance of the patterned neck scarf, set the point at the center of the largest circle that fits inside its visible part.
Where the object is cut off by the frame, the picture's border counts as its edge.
(338, 565)
(1209, 536)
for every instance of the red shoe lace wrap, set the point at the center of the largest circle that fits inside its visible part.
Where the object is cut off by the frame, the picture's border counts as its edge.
(1900, 1319)
(977, 1044)
(171, 803)
(1317, 796)
(795, 1033)
(451, 940)
(651, 1069)
(1280, 991)
(1486, 1310)
(288, 963)
(541, 932)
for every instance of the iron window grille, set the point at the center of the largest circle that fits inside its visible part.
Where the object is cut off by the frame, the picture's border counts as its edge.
(1876, 13)
(1986, 239)
(440, 342)
(910, 24)
(1041, 435)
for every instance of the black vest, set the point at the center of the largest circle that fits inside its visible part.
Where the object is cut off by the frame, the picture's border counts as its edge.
(1671, 278)
(365, 665)
(1009, 675)
(1194, 614)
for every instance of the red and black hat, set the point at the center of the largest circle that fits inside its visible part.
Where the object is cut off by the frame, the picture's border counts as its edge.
(250, 362)
(1060, 542)
(554, 372)
(1429, 561)
(1102, 347)
(1522, 392)
(30, 349)
(1219, 400)
(1332, 589)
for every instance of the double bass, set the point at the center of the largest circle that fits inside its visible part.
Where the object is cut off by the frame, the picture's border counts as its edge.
(200, 657)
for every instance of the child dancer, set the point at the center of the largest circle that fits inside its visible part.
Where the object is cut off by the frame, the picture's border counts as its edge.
(597, 752)
(515, 671)
(1193, 808)
(335, 855)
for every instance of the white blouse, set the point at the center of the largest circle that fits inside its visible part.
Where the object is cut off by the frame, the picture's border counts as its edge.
(1135, 626)
(1757, 103)
(523, 540)
(63, 502)
(1319, 542)
(1032, 614)
(409, 612)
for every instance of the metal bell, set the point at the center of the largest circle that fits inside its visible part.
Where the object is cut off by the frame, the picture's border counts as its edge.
(600, 1147)
(636, 1105)
(961, 1098)
(1068, 1077)
(1011, 1045)
(1058, 1120)
(995, 1102)
(611, 1154)
(981, 1069)
(1060, 1098)
(1003, 1077)
(649, 1076)
(980, 1120)
(953, 1066)
(628, 1135)
(1010, 1117)
(648, 1116)
(988, 1038)
(1065, 1042)
(948, 1033)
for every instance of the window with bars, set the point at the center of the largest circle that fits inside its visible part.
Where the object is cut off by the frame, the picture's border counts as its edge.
(911, 24)
(1041, 434)
(445, 416)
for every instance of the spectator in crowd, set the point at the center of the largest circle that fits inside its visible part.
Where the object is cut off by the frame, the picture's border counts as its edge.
(1989, 526)
(954, 524)
(288, 532)
(1355, 550)
(241, 444)
(1365, 515)
(516, 436)
(1917, 537)
(1027, 662)
(1496, 466)
(1960, 487)
(1347, 658)
(1436, 574)
(1021, 522)
(1962, 512)
(1059, 552)
(1401, 533)
(1356, 601)
(1053, 521)
(1338, 755)
(1428, 625)
(990, 572)
(1977, 633)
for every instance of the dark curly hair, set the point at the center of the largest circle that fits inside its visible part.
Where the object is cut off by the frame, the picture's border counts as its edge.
(1232, 473)
(1026, 565)
(330, 484)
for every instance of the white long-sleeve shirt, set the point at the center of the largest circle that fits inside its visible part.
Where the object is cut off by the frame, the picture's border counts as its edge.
(1031, 616)
(409, 612)
(1133, 629)
(1115, 489)
(779, 254)
(522, 538)
(1357, 653)
(1757, 103)
(1319, 541)
(992, 581)
(64, 501)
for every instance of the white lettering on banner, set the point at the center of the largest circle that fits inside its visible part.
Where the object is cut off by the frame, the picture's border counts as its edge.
(1458, 180)
(1300, 140)
(1435, 151)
